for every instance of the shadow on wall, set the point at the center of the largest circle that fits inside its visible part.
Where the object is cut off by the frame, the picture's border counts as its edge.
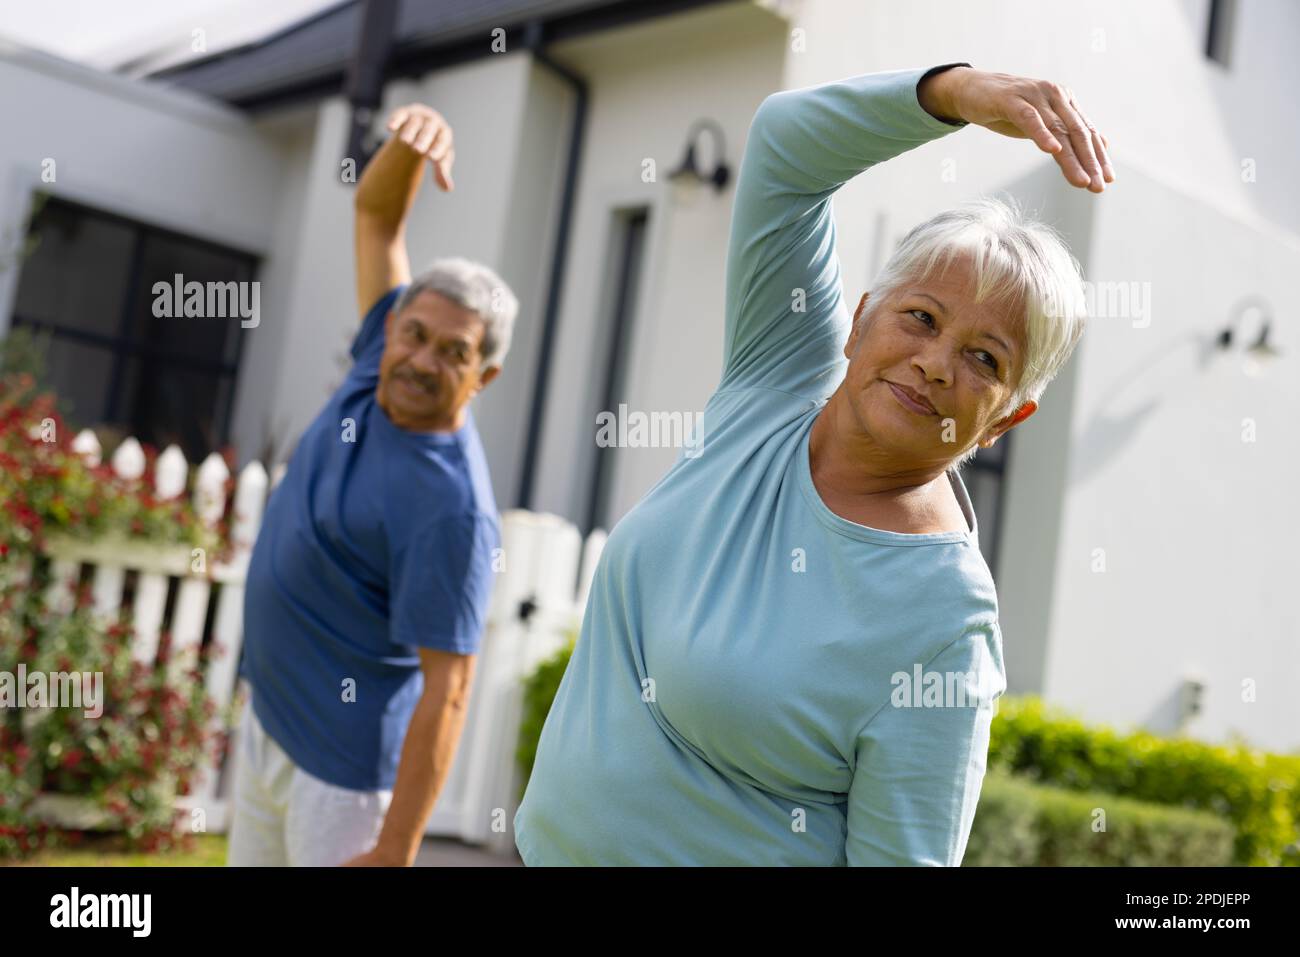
(1166, 718)
(1109, 431)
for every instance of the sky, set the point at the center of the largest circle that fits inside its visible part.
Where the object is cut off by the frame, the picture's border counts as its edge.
(105, 33)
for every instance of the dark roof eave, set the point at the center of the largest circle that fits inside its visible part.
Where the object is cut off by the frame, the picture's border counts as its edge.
(421, 55)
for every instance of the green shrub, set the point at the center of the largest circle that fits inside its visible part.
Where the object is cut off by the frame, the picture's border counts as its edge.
(1257, 792)
(539, 691)
(1020, 824)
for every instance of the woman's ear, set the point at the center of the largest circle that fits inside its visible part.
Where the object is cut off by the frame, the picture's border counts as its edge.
(1002, 426)
(856, 328)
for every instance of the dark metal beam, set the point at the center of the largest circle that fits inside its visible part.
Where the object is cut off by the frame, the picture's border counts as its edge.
(367, 73)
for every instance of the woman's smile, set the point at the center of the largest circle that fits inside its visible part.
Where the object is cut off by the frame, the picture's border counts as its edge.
(907, 402)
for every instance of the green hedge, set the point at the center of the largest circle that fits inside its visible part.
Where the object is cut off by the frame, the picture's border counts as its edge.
(1020, 824)
(1258, 793)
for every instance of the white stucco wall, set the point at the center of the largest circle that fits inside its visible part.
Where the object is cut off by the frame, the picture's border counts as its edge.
(1189, 513)
(649, 83)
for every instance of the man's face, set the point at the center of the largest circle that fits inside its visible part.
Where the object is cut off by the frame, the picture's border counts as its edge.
(431, 363)
(931, 337)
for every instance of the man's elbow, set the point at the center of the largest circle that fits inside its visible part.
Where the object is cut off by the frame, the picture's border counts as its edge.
(448, 680)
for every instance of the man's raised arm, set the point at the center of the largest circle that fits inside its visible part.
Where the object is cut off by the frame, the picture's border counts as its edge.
(386, 193)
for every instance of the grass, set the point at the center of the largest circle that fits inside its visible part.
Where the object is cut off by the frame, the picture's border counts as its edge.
(107, 851)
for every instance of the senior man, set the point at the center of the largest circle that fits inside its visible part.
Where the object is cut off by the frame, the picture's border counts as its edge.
(369, 583)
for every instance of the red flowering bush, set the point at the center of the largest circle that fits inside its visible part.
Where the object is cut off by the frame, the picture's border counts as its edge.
(46, 487)
(130, 746)
(138, 747)
(19, 836)
(136, 756)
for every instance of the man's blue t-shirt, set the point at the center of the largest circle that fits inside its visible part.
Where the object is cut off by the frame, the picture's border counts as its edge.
(377, 542)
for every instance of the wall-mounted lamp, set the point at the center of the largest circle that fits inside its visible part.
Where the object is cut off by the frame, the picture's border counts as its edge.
(689, 170)
(1191, 699)
(1261, 351)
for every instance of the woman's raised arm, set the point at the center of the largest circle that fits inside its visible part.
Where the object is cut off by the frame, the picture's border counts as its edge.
(786, 322)
(785, 318)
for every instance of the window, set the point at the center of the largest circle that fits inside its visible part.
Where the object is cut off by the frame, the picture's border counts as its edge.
(1219, 30)
(625, 260)
(985, 478)
(88, 284)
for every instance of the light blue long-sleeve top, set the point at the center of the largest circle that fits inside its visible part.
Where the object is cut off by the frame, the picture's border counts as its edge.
(734, 696)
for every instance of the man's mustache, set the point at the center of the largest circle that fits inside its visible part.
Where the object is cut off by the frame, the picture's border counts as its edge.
(426, 382)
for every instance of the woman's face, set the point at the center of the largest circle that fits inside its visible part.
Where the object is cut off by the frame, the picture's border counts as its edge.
(930, 337)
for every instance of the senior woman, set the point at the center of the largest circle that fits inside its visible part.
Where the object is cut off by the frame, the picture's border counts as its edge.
(752, 684)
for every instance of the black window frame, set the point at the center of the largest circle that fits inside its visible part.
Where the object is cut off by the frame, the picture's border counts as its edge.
(123, 346)
(1220, 30)
(628, 253)
(998, 467)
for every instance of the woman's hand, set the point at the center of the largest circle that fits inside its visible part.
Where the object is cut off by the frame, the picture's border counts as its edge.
(1017, 106)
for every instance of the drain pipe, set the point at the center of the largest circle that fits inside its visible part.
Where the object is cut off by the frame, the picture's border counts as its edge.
(534, 42)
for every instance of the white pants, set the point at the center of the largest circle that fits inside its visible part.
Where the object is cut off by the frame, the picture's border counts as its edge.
(284, 816)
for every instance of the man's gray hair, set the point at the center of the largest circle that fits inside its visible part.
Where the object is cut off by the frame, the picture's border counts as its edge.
(1016, 260)
(472, 286)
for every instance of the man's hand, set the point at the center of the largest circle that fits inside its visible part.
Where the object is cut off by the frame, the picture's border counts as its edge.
(376, 858)
(1017, 106)
(425, 131)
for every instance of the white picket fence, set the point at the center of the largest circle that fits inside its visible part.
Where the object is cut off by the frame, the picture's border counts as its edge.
(538, 596)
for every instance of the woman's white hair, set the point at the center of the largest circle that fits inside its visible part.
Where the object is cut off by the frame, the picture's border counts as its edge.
(477, 288)
(1015, 260)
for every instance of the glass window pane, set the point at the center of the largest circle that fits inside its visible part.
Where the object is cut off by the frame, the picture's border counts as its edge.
(169, 402)
(77, 274)
(211, 337)
(983, 486)
(78, 374)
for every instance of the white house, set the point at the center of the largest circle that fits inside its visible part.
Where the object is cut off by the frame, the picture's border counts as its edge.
(1137, 525)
